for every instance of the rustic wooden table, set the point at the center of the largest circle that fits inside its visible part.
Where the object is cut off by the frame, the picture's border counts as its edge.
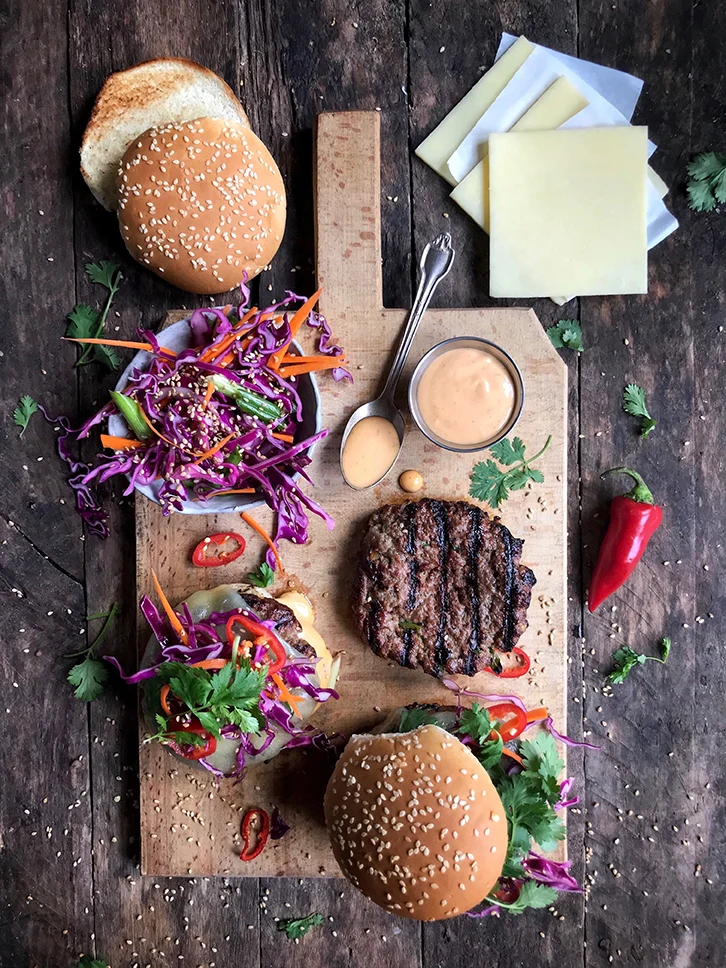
(649, 840)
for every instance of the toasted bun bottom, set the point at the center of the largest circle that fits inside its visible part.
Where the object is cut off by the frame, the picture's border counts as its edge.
(416, 823)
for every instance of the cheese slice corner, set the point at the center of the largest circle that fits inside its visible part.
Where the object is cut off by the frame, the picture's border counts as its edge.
(436, 149)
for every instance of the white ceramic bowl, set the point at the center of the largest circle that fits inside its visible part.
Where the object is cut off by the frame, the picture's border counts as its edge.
(177, 337)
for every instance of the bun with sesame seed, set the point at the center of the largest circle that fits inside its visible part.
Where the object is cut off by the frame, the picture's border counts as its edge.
(201, 204)
(416, 823)
(141, 97)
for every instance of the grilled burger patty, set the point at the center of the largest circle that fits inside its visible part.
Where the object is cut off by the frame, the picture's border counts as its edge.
(283, 620)
(440, 586)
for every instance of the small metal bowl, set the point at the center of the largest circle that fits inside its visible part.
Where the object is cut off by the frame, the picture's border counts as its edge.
(462, 342)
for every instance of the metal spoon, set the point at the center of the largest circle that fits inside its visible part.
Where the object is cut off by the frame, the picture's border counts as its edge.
(436, 261)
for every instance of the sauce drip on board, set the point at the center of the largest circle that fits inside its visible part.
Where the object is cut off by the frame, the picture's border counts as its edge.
(466, 396)
(370, 450)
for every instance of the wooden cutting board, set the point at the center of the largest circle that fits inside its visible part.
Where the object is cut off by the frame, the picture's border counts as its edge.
(189, 825)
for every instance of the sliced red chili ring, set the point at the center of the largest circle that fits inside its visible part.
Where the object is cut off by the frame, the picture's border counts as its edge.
(255, 833)
(262, 635)
(217, 543)
(508, 719)
(192, 751)
(511, 672)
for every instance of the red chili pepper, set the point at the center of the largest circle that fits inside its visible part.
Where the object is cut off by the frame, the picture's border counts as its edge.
(510, 720)
(634, 519)
(512, 672)
(262, 635)
(249, 830)
(218, 541)
(195, 751)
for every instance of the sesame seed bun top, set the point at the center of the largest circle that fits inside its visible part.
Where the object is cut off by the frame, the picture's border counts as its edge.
(416, 823)
(200, 203)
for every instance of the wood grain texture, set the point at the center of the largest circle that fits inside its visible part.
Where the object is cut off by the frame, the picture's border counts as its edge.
(348, 256)
(385, 53)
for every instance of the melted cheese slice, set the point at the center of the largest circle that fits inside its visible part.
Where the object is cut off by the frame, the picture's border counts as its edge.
(303, 611)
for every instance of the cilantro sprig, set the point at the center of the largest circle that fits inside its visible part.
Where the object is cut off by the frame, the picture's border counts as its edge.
(566, 334)
(229, 696)
(296, 928)
(261, 577)
(85, 961)
(85, 322)
(634, 404)
(626, 659)
(493, 484)
(23, 412)
(90, 675)
(706, 184)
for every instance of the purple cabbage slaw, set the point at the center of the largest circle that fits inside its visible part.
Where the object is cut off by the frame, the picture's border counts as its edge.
(171, 394)
(206, 642)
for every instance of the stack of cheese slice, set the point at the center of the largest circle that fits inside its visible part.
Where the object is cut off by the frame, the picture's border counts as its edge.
(555, 173)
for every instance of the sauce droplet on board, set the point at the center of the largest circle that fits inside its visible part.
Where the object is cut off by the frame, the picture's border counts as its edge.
(466, 396)
(411, 481)
(370, 450)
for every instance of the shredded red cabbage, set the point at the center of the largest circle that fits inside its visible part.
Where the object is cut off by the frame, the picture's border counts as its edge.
(207, 640)
(171, 390)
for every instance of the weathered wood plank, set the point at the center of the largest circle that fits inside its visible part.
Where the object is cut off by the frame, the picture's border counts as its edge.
(639, 797)
(139, 918)
(450, 46)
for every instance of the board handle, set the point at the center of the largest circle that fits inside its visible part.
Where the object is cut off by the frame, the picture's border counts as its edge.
(348, 211)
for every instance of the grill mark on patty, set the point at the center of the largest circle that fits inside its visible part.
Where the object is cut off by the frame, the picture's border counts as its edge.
(374, 626)
(441, 652)
(473, 566)
(410, 549)
(510, 591)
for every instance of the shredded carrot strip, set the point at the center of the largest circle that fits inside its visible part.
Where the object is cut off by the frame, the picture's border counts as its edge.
(248, 519)
(234, 490)
(120, 443)
(292, 360)
(213, 450)
(295, 323)
(512, 755)
(210, 664)
(327, 363)
(208, 393)
(162, 699)
(285, 694)
(129, 344)
(288, 438)
(213, 353)
(171, 614)
(534, 715)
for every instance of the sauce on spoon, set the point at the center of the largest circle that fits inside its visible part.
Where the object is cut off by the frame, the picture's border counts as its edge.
(370, 451)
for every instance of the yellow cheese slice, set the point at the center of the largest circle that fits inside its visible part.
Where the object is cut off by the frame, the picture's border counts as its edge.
(568, 212)
(446, 138)
(560, 102)
(657, 182)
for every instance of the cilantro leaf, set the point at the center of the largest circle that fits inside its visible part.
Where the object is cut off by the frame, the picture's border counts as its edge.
(262, 577)
(298, 927)
(413, 718)
(104, 273)
(24, 411)
(566, 334)
(89, 676)
(191, 685)
(706, 186)
(508, 451)
(405, 624)
(626, 659)
(491, 484)
(87, 962)
(84, 322)
(531, 895)
(475, 722)
(634, 404)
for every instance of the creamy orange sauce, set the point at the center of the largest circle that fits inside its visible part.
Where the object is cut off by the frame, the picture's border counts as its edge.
(466, 396)
(370, 450)
(411, 481)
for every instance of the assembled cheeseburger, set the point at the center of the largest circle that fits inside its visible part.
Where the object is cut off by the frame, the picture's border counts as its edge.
(435, 815)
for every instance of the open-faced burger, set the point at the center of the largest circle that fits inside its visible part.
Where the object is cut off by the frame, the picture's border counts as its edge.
(233, 675)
